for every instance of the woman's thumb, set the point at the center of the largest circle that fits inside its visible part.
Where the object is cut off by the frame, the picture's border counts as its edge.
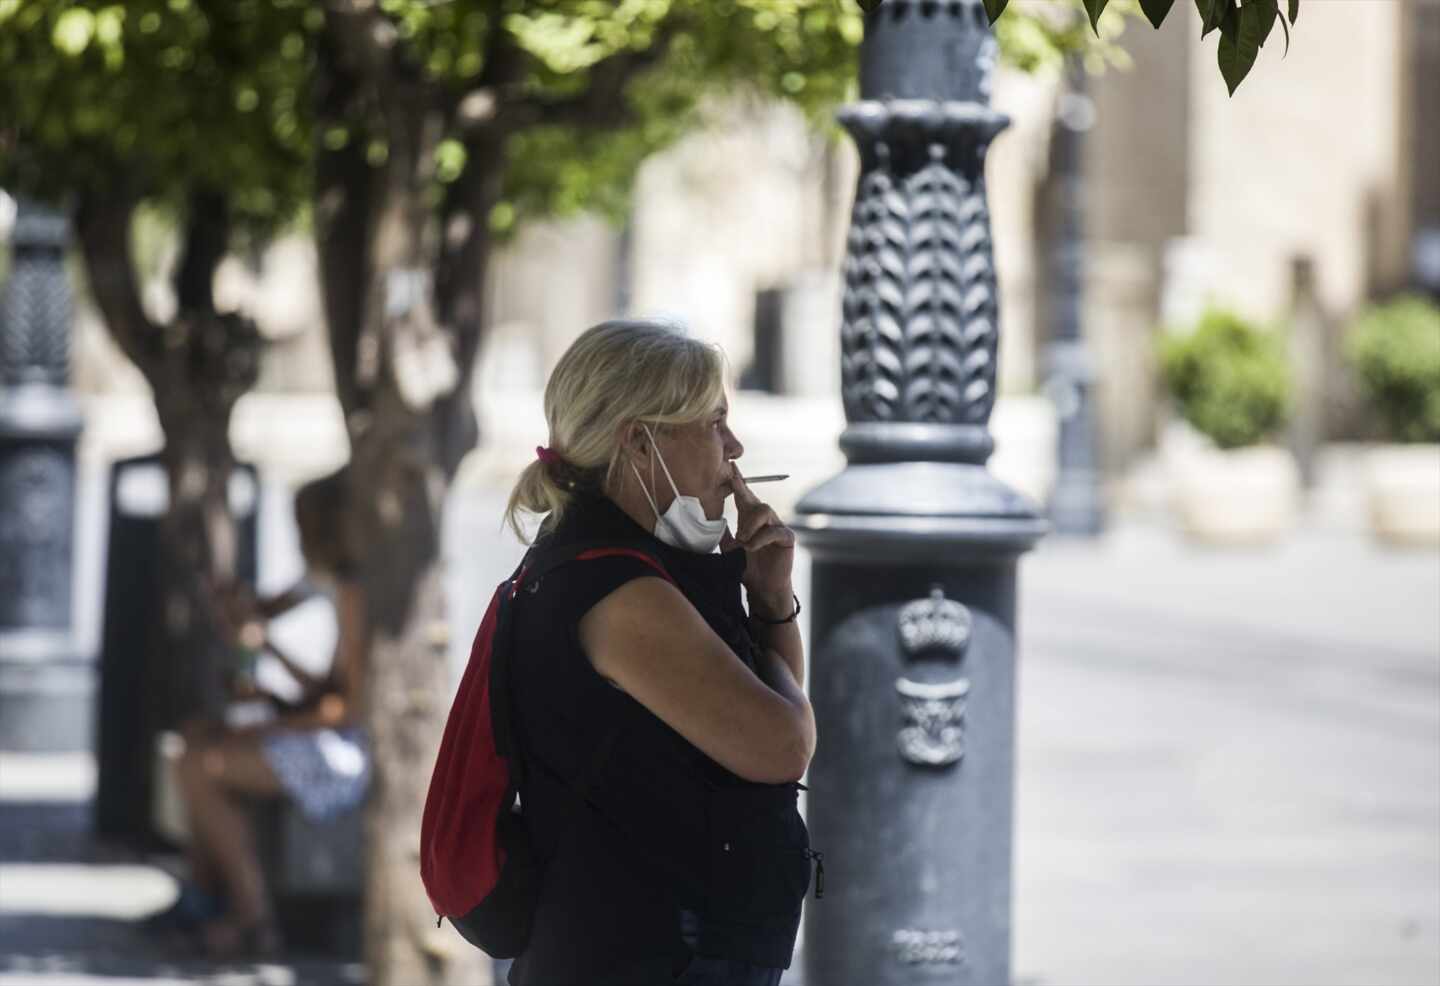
(727, 540)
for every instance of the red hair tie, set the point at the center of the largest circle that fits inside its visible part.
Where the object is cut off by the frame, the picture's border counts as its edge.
(546, 455)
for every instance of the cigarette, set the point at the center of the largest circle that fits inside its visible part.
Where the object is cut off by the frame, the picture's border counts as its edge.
(765, 479)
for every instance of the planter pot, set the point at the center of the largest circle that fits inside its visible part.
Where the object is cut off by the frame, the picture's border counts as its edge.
(1245, 496)
(1403, 489)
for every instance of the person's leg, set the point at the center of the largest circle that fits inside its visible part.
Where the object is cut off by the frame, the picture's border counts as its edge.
(204, 872)
(213, 774)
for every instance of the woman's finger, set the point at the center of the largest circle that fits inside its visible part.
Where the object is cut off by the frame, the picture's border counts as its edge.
(774, 534)
(743, 494)
(754, 519)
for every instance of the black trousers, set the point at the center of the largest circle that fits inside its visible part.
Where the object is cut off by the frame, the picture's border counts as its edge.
(691, 970)
(701, 970)
(705, 971)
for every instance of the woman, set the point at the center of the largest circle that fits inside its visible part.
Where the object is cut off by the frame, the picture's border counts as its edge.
(689, 861)
(312, 751)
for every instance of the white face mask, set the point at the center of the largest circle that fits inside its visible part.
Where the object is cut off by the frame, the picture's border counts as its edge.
(684, 525)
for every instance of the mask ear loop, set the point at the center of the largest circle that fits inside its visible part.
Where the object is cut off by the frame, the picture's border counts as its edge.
(643, 489)
(662, 464)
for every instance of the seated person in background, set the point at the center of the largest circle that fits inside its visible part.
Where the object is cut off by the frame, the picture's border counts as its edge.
(311, 750)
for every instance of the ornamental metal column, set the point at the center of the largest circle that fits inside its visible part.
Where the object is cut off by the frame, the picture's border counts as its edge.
(1077, 503)
(46, 688)
(915, 545)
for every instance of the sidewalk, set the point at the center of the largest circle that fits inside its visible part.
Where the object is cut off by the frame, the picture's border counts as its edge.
(68, 907)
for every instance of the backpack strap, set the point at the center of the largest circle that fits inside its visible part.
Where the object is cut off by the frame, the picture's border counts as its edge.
(537, 565)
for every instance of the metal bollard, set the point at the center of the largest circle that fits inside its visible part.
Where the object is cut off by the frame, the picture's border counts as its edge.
(915, 545)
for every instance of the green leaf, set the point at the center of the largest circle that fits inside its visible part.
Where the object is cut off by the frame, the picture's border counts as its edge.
(1095, 8)
(1265, 12)
(1286, 26)
(1294, 10)
(1211, 13)
(1155, 10)
(73, 30)
(1241, 35)
(994, 8)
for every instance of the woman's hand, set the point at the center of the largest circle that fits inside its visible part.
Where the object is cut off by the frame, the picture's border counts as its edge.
(769, 548)
(238, 613)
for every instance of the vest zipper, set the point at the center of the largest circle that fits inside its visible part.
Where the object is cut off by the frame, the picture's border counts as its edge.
(819, 858)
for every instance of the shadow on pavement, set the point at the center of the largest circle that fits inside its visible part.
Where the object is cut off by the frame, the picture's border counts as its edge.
(60, 891)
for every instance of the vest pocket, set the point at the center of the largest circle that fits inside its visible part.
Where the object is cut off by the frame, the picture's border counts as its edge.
(759, 856)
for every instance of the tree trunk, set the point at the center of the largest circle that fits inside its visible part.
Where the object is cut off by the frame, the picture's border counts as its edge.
(198, 366)
(198, 546)
(403, 378)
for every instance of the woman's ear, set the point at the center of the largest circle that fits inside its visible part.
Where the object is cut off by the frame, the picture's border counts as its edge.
(636, 442)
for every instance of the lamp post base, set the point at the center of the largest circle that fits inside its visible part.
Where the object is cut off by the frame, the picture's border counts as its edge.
(47, 694)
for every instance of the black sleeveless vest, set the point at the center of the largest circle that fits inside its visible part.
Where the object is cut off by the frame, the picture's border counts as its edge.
(668, 830)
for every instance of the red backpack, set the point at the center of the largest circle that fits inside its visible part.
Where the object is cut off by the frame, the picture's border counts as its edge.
(476, 857)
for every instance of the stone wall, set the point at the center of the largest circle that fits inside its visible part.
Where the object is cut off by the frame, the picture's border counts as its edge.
(1306, 157)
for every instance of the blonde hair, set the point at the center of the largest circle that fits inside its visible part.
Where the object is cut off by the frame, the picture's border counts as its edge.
(618, 372)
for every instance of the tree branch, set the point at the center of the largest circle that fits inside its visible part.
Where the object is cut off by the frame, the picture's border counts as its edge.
(102, 226)
(344, 186)
(364, 39)
(460, 288)
(207, 237)
(602, 105)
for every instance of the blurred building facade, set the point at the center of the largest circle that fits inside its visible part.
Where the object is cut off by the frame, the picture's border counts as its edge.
(1324, 166)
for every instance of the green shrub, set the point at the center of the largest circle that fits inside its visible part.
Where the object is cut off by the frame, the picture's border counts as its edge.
(1395, 349)
(1229, 378)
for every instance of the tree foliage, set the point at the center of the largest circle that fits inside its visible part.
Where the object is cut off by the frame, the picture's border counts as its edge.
(1394, 349)
(167, 95)
(1244, 26)
(1229, 378)
(156, 98)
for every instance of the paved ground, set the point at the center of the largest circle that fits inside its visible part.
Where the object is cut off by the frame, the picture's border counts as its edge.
(1229, 773)
(1229, 767)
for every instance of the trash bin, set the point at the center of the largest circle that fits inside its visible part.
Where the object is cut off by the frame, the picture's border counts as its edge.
(135, 702)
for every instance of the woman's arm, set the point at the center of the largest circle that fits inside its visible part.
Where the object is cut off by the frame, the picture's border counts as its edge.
(309, 684)
(342, 705)
(782, 661)
(782, 638)
(282, 602)
(351, 649)
(647, 638)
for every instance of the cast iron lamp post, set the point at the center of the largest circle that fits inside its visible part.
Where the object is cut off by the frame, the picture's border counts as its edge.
(1077, 503)
(46, 688)
(914, 544)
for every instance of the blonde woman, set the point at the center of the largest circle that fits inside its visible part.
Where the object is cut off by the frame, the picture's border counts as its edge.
(680, 710)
